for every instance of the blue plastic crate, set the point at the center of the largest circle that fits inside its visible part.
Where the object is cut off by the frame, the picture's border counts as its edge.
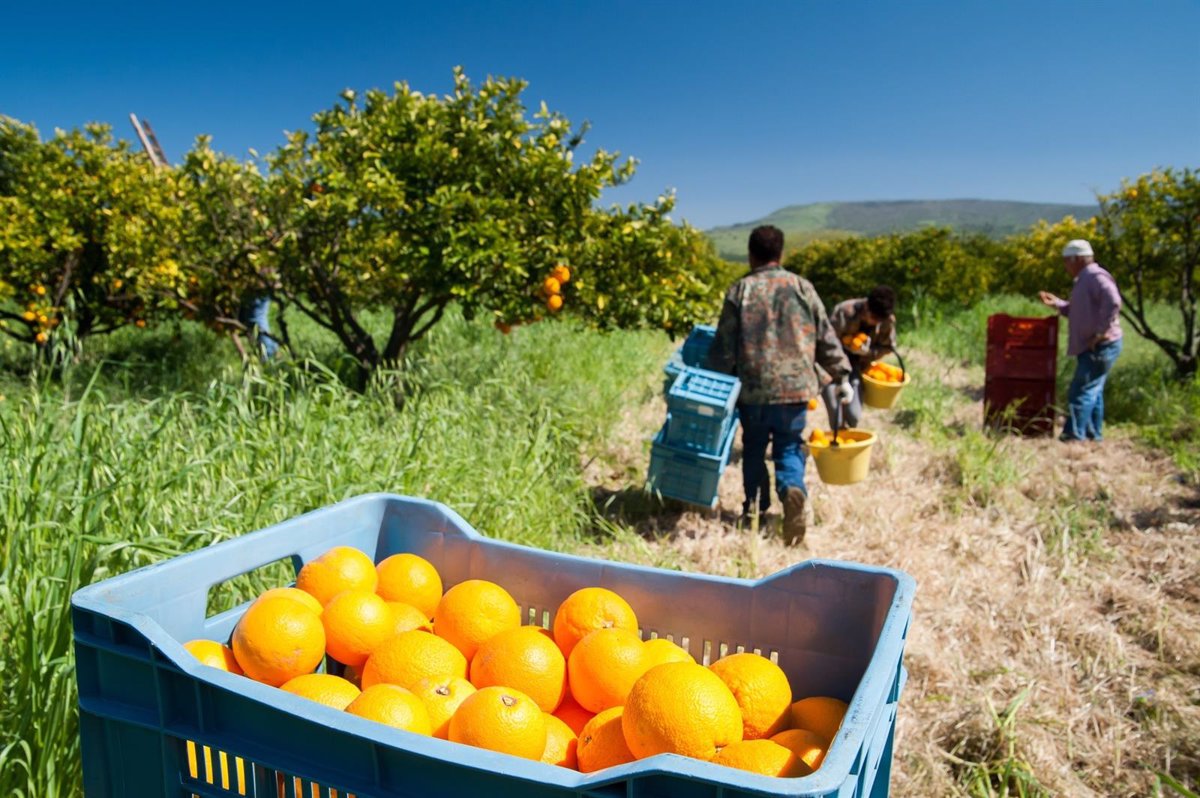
(704, 393)
(687, 474)
(835, 628)
(696, 345)
(706, 434)
(672, 370)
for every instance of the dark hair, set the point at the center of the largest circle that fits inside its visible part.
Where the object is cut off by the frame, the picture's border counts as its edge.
(766, 243)
(881, 301)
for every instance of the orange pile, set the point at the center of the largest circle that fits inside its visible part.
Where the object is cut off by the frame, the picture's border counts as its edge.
(820, 439)
(885, 372)
(586, 694)
(856, 342)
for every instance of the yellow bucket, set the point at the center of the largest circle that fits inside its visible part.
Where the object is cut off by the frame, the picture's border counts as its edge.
(845, 463)
(882, 395)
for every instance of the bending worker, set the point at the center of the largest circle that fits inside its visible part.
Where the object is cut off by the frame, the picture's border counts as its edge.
(773, 331)
(866, 328)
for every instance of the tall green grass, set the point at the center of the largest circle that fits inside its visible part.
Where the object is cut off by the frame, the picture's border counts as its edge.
(152, 447)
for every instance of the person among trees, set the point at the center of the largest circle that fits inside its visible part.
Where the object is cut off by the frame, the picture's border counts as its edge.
(772, 332)
(866, 326)
(1094, 338)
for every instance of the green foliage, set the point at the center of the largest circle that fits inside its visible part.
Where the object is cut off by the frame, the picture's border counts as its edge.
(1034, 259)
(1150, 231)
(87, 235)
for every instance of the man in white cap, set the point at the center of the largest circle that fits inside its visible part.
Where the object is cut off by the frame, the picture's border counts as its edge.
(1093, 338)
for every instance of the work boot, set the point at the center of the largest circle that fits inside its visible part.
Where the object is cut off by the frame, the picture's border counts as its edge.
(794, 523)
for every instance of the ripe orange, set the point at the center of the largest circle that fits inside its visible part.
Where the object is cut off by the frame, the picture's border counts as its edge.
(525, 659)
(661, 650)
(561, 273)
(561, 743)
(602, 742)
(411, 579)
(340, 568)
(406, 617)
(332, 691)
(278, 639)
(410, 657)
(681, 708)
(395, 706)
(762, 692)
(473, 611)
(808, 745)
(570, 713)
(356, 623)
(762, 756)
(819, 714)
(500, 719)
(555, 303)
(294, 593)
(213, 654)
(604, 666)
(551, 286)
(442, 698)
(587, 610)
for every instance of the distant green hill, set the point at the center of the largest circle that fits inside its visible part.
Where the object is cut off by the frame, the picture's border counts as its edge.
(802, 223)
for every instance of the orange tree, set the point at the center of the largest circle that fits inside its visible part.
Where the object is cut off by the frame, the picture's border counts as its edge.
(1149, 236)
(408, 202)
(1034, 261)
(87, 235)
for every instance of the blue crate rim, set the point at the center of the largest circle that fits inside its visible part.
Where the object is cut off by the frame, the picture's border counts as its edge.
(835, 769)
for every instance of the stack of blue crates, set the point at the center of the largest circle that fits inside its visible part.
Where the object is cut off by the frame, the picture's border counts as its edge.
(691, 451)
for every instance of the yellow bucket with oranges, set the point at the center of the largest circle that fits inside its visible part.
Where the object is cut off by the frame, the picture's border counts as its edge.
(882, 384)
(842, 459)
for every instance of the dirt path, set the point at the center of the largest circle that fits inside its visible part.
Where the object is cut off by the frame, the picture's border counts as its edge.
(1055, 642)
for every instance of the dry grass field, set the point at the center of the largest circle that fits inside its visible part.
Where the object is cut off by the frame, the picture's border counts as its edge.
(1055, 642)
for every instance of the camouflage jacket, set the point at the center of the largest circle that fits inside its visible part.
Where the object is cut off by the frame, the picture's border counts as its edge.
(847, 320)
(773, 331)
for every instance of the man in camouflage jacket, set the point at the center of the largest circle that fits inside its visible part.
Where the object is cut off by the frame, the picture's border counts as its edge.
(772, 332)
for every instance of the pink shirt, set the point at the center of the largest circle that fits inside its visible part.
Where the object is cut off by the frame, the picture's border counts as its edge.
(1093, 309)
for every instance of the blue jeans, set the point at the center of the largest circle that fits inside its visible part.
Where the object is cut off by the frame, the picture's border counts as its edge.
(783, 427)
(253, 314)
(1085, 397)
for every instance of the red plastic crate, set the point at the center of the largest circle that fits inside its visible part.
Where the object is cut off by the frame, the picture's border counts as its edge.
(1021, 363)
(1023, 406)
(1023, 332)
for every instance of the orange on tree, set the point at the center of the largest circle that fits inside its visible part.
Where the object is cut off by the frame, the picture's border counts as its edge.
(681, 708)
(442, 698)
(587, 610)
(603, 667)
(406, 617)
(278, 639)
(472, 611)
(551, 286)
(214, 655)
(295, 594)
(764, 757)
(602, 742)
(661, 650)
(562, 273)
(409, 657)
(501, 719)
(762, 691)
(820, 714)
(393, 705)
(356, 623)
(412, 579)
(808, 745)
(561, 744)
(554, 302)
(324, 688)
(340, 568)
(525, 659)
(570, 713)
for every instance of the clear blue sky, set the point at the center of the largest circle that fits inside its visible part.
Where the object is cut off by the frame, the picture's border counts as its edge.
(741, 107)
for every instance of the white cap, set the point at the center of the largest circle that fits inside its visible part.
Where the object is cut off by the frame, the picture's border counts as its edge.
(1077, 247)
